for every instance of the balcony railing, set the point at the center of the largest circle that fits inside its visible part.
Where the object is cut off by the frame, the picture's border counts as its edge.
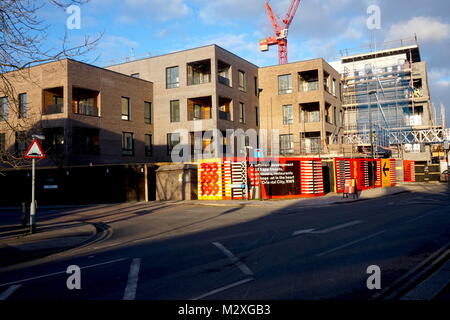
(54, 108)
(308, 86)
(224, 80)
(224, 115)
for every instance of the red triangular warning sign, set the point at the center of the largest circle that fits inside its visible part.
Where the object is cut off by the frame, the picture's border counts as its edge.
(34, 151)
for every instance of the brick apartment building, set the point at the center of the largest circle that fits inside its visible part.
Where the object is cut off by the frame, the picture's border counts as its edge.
(198, 90)
(303, 101)
(88, 115)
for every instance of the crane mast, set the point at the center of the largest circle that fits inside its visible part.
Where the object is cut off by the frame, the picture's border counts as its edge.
(281, 31)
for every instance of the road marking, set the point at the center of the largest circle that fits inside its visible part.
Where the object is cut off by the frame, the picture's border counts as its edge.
(328, 230)
(5, 295)
(213, 292)
(238, 263)
(420, 217)
(432, 286)
(349, 244)
(133, 277)
(300, 232)
(338, 227)
(434, 211)
(60, 272)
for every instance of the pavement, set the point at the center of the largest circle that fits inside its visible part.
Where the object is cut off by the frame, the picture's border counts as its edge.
(18, 245)
(331, 198)
(317, 248)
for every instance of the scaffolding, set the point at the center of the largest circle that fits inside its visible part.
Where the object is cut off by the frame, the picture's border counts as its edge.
(379, 95)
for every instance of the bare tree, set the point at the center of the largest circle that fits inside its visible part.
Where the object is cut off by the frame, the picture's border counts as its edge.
(24, 43)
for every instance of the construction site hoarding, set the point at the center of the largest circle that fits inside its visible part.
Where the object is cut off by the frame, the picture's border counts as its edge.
(362, 170)
(251, 178)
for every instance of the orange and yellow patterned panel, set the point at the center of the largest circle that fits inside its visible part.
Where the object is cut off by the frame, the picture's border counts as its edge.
(210, 184)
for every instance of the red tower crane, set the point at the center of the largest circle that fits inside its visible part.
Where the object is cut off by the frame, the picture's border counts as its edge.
(281, 32)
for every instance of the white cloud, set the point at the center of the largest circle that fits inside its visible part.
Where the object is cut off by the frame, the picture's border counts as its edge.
(426, 28)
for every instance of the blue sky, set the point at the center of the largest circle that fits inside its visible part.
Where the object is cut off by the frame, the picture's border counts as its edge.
(320, 29)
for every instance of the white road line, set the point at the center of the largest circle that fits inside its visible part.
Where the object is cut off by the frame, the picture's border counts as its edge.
(213, 292)
(432, 286)
(328, 230)
(338, 227)
(238, 263)
(133, 277)
(420, 217)
(349, 244)
(299, 232)
(5, 295)
(60, 272)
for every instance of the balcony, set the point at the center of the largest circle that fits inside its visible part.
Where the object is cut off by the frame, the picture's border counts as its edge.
(85, 102)
(224, 73)
(199, 108)
(199, 72)
(224, 81)
(224, 115)
(54, 108)
(225, 108)
(308, 81)
(53, 102)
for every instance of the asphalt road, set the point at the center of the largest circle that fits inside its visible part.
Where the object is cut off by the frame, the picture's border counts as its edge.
(238, 253)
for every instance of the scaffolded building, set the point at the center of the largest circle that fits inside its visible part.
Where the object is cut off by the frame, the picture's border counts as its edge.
(386, 95)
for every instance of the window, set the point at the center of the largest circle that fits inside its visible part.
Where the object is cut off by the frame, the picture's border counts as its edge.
(54, 140)
(4, 108)
(2, 142)
(288, 115)
(326, 81)
(148, 145)
(242, 81)
(286, 143)
(86, 106)
(175, 111)
(21, 142)
(86, 141)
(285, 84)
(255, 81)
(241, 113)
(172, 77)
(125, 108)
(334, 87)
(135, 75)
(148, 112)
(127, 144)
(310, 143)
(197, 111)
(257, 116)
(173, 139)
(23, 105)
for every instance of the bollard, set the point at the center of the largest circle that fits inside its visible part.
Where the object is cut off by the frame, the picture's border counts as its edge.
(24, 214)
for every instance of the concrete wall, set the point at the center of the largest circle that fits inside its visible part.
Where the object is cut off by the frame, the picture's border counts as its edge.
(176, 182)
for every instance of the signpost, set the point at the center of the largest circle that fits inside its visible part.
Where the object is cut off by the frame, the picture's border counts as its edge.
(350, 188)
(34, 152)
